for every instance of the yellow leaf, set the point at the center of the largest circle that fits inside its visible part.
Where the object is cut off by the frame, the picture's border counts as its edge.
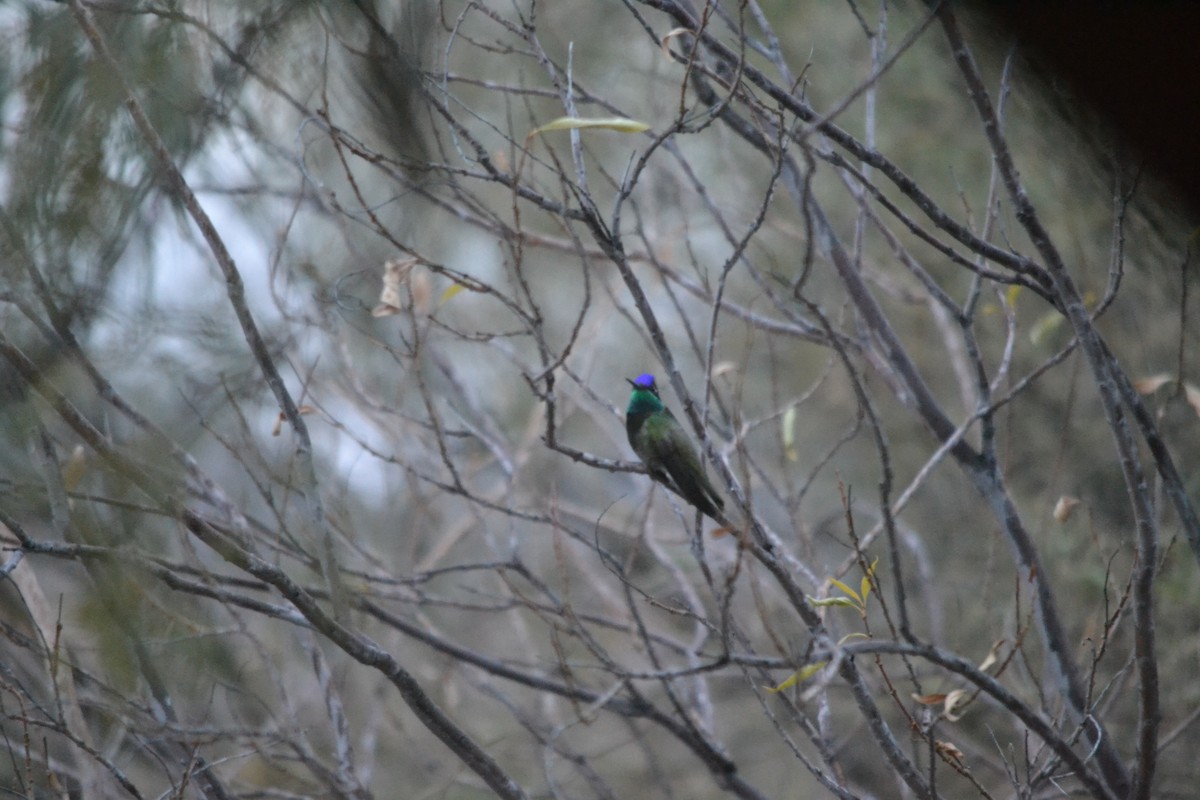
(787, 684)
(1048, 324)
(1010, 294)
(622, 124)
(449, 293)
(849, 592)
(798, 676)
(849, 636)
(866, 581)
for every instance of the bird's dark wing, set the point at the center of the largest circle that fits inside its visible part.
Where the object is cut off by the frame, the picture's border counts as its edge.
(678, 467)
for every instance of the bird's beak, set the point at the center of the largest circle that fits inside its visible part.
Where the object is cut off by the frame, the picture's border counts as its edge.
(631, 383)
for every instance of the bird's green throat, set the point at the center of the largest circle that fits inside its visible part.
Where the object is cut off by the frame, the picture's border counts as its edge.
(644, 401)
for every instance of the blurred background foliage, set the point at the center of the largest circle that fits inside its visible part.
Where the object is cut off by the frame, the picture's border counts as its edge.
(325, 138)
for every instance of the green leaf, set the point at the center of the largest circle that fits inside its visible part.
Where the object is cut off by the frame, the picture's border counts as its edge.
(833, 601)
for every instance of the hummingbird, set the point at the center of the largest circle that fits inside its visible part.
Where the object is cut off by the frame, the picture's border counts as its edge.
(660, 441)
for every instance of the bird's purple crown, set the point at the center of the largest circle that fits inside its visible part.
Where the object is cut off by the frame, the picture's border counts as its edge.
(644, 381)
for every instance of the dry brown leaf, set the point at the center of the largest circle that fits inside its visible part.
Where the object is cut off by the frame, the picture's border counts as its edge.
(279, 420)
(930, 699)
(1193, 397)
(953, 699)
(395, 273)
(668, 36)
(951, 752)
(74, 469)
(992, 657)
(420, 288)
(723, 367)
(1063, 508)
(1152, 383)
